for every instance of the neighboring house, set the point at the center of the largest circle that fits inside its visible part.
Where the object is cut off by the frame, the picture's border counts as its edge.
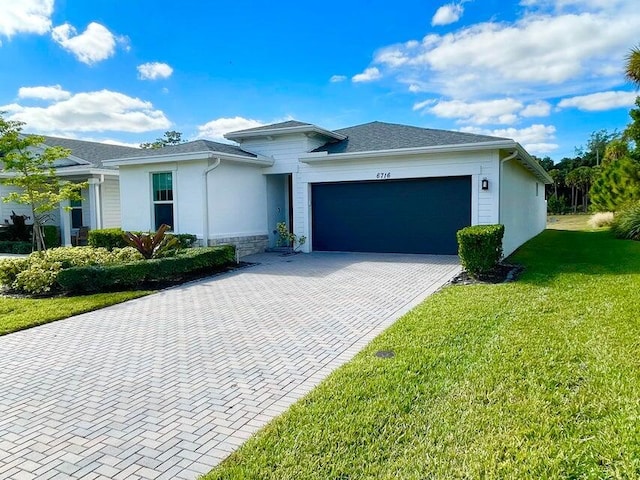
(377, 187)
(100, 204)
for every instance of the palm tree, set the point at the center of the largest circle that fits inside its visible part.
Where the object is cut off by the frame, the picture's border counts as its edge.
(632, 69)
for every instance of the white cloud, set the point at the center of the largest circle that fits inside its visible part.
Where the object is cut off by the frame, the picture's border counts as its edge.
(446, 14)
(337, 78)
(154, 70)
(538, 109)
(98, 111)
(25, 16)
(532, 56)
(502, 111)
(215, 129)
(597, 102)
(536, 139)
(93, 45)
(370, 74)
(52, 92)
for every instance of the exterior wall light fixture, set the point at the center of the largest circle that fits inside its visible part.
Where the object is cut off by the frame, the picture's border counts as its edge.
(485, 184)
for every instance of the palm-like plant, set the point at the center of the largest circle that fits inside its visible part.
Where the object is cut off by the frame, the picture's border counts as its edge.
(632, 68)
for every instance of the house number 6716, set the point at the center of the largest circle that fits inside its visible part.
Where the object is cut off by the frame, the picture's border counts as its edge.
(383, 175)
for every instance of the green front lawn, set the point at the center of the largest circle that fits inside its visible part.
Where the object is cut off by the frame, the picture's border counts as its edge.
(20, 313)
(534, 379)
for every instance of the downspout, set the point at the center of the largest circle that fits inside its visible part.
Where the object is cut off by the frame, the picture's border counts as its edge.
(502, 162)
(205, 201)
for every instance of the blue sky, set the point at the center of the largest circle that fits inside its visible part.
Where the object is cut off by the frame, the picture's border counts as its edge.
(544, 72)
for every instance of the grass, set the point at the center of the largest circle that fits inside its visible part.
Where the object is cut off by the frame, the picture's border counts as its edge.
(20, 313)
(534, 379)
(569, 222)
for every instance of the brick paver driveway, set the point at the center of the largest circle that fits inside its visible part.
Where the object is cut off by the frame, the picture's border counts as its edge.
(166, 386)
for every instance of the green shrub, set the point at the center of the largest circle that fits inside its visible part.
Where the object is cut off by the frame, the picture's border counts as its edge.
(557, 205)
(626, 223)
(108, 238)
(10, 268)
(124, 276)
(51, 236)
(480, 248)
(37, 274)
(185, 240)
(7, 246)
(111, 238)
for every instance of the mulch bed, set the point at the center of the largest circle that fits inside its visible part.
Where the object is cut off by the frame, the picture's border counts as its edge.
(503, 273)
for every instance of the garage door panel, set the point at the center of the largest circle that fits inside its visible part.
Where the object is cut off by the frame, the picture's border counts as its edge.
(400, 216)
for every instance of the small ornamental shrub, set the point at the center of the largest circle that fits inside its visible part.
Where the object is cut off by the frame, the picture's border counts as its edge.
(601, 219)
(108, 238)
(626, 223)
(96, 278)
(152, 245)
(480, 248)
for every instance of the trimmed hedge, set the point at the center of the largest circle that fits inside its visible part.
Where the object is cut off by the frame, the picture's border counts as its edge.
(111, 238)
(51, 236)
(10, 246)
(480, 248)
(108, 238)
(122, 277)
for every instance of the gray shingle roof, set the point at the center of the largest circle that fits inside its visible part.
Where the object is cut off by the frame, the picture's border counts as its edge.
(93, 152)
(273, 126)
(192, 147)
(376, 136)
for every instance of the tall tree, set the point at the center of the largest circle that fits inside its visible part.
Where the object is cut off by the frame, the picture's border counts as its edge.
(32, 169)
(632, 67)
(169, 138)
(557, 177)
(617, 185)
(593, 154)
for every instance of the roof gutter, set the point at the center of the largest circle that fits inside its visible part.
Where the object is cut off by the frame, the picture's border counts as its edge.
(183, 157)
(283, 131)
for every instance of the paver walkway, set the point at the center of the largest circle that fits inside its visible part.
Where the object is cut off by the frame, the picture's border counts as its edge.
(167, 385)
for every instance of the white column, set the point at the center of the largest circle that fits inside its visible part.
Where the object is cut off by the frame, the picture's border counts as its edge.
(94, 204)
(65, 223)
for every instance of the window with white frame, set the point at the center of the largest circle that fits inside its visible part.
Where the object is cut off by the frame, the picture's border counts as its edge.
(76, 213)
(162, 197)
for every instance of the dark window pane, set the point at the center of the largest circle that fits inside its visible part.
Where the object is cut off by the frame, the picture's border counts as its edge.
(76, 218)
(163, 214)
(75, 203)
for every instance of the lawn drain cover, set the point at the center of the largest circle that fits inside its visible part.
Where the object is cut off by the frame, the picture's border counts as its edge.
(385, 354)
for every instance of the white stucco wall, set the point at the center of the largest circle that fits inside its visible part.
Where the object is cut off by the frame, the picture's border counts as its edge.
(237, 201)
(523, 207)
(21, 209)
(284, 149)
(237, 198)
(479, 165)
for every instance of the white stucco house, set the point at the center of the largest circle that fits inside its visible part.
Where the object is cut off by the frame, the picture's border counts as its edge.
(377, 187)
(100, 204)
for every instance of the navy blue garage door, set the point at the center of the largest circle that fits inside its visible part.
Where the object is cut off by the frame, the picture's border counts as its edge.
(392, 216)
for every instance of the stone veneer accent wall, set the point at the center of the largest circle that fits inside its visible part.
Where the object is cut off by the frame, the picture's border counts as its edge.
(244, 245)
